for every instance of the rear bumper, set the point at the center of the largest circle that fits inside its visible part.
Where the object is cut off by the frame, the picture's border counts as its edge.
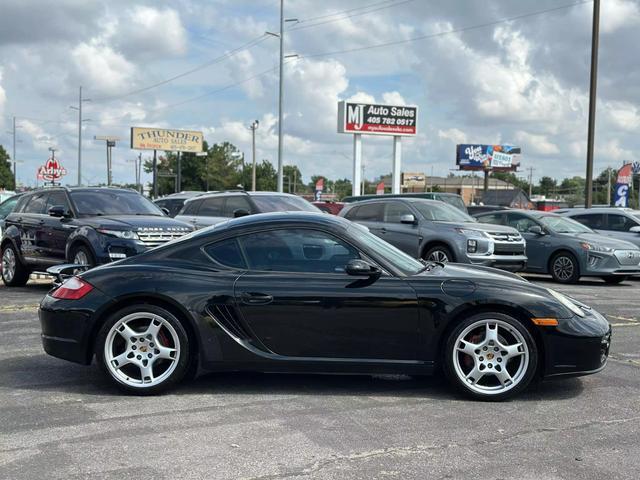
(67, 326)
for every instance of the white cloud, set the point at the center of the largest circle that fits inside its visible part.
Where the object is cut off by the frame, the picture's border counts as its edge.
(3, 99)
(146, 30)
(455, 135)
(622, 115)
(539, 144)
(39, 137)
(102, 68)
(618, 14)
(393, 98)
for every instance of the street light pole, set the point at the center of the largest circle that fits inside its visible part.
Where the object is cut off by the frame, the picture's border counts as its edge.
(80, 120)
(595, 33)
(253, 127)
(280, 93)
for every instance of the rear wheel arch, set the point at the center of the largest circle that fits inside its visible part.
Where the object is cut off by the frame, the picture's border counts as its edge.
(516, 312)
(185, 318)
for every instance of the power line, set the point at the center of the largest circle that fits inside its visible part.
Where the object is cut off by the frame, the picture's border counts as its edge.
(250, 44)
(346, 17)
(319, 17)
(448, 32)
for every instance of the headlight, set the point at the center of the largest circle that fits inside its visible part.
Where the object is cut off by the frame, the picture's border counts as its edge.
(594, 247)
(126, 234)
(472, 233)
(566, 301)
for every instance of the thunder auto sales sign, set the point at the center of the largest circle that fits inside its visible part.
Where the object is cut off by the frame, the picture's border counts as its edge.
(377, 119)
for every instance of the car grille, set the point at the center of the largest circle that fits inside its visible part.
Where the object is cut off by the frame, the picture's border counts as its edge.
(508, 249)
(628, 257)
(153, 237)
(505, 236)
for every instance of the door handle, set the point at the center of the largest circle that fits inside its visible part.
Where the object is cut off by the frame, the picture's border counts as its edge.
(250, 298)
(383, 230)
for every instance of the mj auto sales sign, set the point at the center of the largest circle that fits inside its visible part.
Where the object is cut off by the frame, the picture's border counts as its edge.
(377, 119)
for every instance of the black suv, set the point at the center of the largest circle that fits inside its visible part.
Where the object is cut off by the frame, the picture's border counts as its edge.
(89, 226)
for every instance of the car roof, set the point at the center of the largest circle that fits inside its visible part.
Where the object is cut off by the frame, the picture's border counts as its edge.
(397, 199)
(599, 210)
(236, 192)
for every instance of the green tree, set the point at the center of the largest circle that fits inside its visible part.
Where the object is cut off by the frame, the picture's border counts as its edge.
(547, 186)
(292, 180)
(6, 175)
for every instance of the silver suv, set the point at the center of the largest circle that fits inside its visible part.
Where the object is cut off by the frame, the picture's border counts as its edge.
(436, 231)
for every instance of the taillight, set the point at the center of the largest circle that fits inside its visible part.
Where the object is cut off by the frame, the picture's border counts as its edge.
(72, 289)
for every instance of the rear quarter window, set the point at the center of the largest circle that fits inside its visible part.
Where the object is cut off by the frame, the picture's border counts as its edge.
(226, 252)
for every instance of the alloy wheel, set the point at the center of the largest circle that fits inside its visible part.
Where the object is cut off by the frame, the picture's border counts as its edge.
(8, 264)
(438, 256)
(490, 357)
(142, 350)
(563, 268)
(80, 258)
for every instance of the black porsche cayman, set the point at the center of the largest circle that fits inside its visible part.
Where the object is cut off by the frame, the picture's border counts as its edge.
(293, 292)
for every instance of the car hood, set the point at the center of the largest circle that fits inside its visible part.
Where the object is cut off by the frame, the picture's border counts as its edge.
(602, 240)
(474, 273)
(482, 227)
(135, 222)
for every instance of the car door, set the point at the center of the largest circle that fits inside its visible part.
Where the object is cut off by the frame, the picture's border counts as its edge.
(30, 223)
(370, 215)
(299, 302)
(404, 236)
(58, 229)
(189, 213)
(538, 246)
(235, 203)
(618, 226)
(210, 212)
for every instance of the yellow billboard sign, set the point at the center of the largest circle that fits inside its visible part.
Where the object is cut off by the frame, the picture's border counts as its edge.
(166, 139)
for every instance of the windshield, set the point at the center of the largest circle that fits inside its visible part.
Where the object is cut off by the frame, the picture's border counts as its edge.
(563, 225)
(397, 258)
(7, 206)
(442, 212)
(93, 202)
(454, 201)
(282, 203)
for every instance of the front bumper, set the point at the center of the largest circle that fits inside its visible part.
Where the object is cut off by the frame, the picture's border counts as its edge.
(512, 263)
(605, 264)
(110, 249)
(577, 346)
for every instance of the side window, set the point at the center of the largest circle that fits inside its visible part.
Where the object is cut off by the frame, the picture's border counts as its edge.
(371, 212)
(36, 203)
(520, 222)
(494, 218)
(236, 202)
(191, 208)
(394, 211)
(227, 252)
(211, 207)
(297, 250)
(57, 199)
(591, 220)
(619, 223)
(352, 213)
(7, 207)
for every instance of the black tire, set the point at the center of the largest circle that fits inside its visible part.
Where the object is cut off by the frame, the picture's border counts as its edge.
(614, 279)
(564, 268)
(19, 275)
(441, 250)
(181, 360)
(81, 249)
(527, 363)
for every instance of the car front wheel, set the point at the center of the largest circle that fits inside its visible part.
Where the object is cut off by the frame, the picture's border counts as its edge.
(14, 273)
(565, 268)
(82, 256)
(490, 356)
(144, 349)
(439, 253)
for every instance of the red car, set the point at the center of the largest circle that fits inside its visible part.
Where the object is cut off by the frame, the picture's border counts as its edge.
(330, 207)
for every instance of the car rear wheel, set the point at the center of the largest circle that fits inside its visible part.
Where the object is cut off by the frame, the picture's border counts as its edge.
(144, 349)
(83, 256)
(14, 272)
(439, 253)
(614, 279)
(564, 268)
(490, 356)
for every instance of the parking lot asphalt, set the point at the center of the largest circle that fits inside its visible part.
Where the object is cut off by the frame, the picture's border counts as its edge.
(59, 420)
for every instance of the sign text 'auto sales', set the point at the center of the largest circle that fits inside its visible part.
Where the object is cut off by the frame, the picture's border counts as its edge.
(377, 119)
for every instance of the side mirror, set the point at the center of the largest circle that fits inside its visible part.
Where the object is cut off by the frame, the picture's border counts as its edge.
(635, 229)
(240, 212)
(166, 211)
(361, 268)
(408, 218)
(536, 229)
(58, 211)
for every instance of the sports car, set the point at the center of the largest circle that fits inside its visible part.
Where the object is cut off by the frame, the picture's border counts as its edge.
(308, 292)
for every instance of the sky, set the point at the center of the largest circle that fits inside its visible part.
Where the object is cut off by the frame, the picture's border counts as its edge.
(495, 71)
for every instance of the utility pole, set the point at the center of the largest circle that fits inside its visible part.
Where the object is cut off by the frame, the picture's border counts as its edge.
(253, 127)
(588, 194)
(13, 158)
(531, 169)
(280, 93)
(80, 120)
(609, 186)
